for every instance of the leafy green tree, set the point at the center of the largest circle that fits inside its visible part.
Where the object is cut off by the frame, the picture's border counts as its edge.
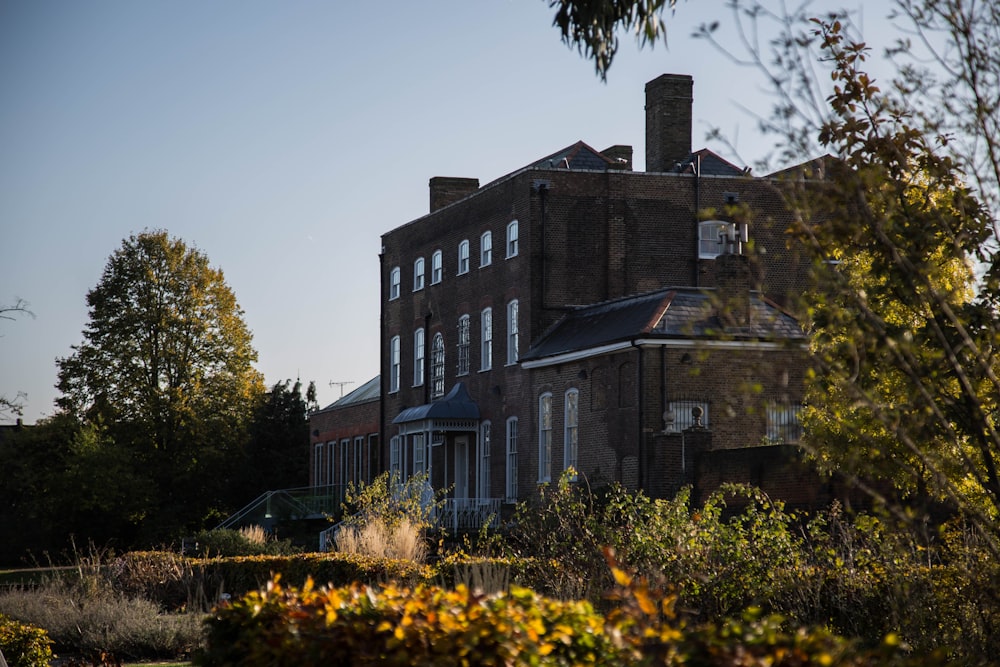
(166, 369)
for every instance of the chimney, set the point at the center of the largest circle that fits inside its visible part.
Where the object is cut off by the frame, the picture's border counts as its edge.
(621, 155)
(668, 121)
(448, 190)
(732, 287)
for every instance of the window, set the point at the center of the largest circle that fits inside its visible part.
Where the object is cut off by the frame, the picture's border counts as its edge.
(345, 446)
(418, 357)
(710, 243)
(783, 425)
(680, 414)
(437, 366)
(572, 425)
(483, 483)
(418, 274)
(512, 239)
(359, 447)
(394, 364)
(486, 338)
(394, 283)
(486, 249)
(463, 257)
(463, 345)
(512, 332)
(511, 472)
(331, 463)
(419, 454)
(395, 465)
(545, 438)
(318, 465)
(437, 267)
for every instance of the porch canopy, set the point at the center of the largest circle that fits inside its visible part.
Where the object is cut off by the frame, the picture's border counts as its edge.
(455, 412)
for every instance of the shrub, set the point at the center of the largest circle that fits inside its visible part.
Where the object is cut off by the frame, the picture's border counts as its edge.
(24, 645)
(402, 541)
(247, 541)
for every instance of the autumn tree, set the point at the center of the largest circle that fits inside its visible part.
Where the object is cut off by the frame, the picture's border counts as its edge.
(165, 371)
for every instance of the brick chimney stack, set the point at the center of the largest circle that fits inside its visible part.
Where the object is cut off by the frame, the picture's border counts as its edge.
(732, 286)
(669, 98)
(449, 189)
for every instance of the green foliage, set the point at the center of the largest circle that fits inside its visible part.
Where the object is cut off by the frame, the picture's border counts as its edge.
(592, 27)
(390, 501)
(24, 645)
(393, 625)
(225, 542)
(165, 374)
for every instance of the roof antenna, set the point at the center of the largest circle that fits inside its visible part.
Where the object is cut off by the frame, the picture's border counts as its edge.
(341, 385)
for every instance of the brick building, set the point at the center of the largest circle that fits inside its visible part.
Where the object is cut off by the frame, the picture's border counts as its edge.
(575, 312)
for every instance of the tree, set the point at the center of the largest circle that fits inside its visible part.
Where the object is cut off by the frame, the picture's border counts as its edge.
(592, 27)
(166, 368)
(13, 406)
(901, 225)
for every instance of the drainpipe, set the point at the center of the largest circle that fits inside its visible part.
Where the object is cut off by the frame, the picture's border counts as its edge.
(642, 429)
(383, 441)
(697, 231)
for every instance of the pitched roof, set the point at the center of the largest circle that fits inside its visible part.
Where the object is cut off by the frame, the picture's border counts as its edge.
(711, 164)
(577, 156)
(369, 391)
(682, 313)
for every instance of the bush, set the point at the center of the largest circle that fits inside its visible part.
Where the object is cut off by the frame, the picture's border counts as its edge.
(247, 541)
(403, 541)
(24, 645)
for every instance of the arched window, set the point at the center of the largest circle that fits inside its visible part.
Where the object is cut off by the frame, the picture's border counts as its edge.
(394, 278)
(486, 249)
(437, 267)
(545, 437)
(464, 339)
(571, 435)
(463, 257)
(437, 366)
(418, 274)
(512, 239)
(394, 364)
(418, 357)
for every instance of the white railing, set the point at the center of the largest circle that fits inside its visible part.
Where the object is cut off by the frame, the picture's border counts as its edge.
(470, 513)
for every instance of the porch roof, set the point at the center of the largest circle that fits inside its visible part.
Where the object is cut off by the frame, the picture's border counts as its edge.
(457, 404)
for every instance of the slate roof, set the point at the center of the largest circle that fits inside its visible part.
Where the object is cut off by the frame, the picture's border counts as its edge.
(369, 391)
(711, 164)
(672, 313)
(456, 404)
(577, 156)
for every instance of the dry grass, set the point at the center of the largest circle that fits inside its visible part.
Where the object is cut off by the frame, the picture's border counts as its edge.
(404, 541)
(255, 534)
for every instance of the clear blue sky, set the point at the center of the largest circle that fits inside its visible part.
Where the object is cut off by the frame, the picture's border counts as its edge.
(282, 139)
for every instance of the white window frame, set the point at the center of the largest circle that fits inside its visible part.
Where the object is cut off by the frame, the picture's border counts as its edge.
(419, 349)
(710, 243)
(512, 239)
(419, 454)
(395, 465)
(359, 450)
(331, 463)
(463, 257)
(512, 332)
(464, 345)
(485, 249)
(394, 283)
(486, 340)
(545, 438)
(418, 274)
(510, 492)
(571, 429)
(318, 464)
(345, 448)
(483, 474)
(394, 365)
(437, 267)
(437, 366)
